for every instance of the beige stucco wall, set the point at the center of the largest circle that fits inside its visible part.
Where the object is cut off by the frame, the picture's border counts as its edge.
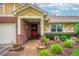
(46, 26)
(8, 8)
(1, 10)
(29, 12)
(18, 6)
(68, 27)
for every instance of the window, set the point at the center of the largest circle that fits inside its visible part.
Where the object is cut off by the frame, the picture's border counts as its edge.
(56, 27)
(1, 4)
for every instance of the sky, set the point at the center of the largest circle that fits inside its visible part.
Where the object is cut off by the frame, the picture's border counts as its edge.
(60, 9)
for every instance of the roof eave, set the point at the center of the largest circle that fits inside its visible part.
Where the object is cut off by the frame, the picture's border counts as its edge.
(29, 5)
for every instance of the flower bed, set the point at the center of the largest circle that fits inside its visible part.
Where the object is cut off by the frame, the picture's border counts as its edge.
(62, 48)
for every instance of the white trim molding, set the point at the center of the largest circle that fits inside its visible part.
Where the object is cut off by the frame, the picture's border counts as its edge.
(7, 16)
(30, 16)
(3, 8)
(19, 25)
(49, 27)
(29, 5)
(42, 26)
(41, 23)
(14, 8)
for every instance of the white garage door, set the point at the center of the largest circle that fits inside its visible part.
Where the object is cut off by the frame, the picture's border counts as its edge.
(7, 33)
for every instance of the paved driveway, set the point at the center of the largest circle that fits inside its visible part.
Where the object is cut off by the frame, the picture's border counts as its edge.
(29, 50)
(4, 48)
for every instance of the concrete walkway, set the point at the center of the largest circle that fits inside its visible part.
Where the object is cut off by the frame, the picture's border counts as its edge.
(29, 50)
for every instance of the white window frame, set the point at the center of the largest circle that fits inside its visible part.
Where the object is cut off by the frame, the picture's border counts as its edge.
(57, 27)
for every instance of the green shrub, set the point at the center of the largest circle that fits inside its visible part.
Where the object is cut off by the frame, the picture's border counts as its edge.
(76, 28)
(68, 43)
(63, 37)
(75, 52)
(51, 36)
(56, 49)
(44, 52)
(45, 40)
(73, 41)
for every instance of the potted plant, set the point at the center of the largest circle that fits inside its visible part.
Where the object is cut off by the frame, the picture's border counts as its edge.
(43, 43)
(16, 47)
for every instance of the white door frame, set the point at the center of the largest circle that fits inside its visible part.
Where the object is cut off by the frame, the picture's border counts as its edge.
(41, 23)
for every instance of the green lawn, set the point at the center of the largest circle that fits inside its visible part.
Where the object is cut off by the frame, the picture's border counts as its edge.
(75, 52)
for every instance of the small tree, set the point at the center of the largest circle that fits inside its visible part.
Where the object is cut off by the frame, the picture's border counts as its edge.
(76, 29)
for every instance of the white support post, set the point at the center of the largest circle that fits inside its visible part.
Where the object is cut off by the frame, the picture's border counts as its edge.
(19, 26)
(42, 26)
(63, 28)
(49, 27)
(3, 8)
(56, 28)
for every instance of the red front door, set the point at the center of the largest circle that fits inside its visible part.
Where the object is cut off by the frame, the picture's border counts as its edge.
(34, 30)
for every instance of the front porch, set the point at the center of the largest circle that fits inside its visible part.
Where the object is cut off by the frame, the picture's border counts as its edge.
(30, 23)
(29, 28)
(32, 27)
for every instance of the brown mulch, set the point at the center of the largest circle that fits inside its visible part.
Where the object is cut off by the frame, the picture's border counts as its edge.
(66, 51)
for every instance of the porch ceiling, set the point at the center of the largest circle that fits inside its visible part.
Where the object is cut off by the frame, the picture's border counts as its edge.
(33, 20)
